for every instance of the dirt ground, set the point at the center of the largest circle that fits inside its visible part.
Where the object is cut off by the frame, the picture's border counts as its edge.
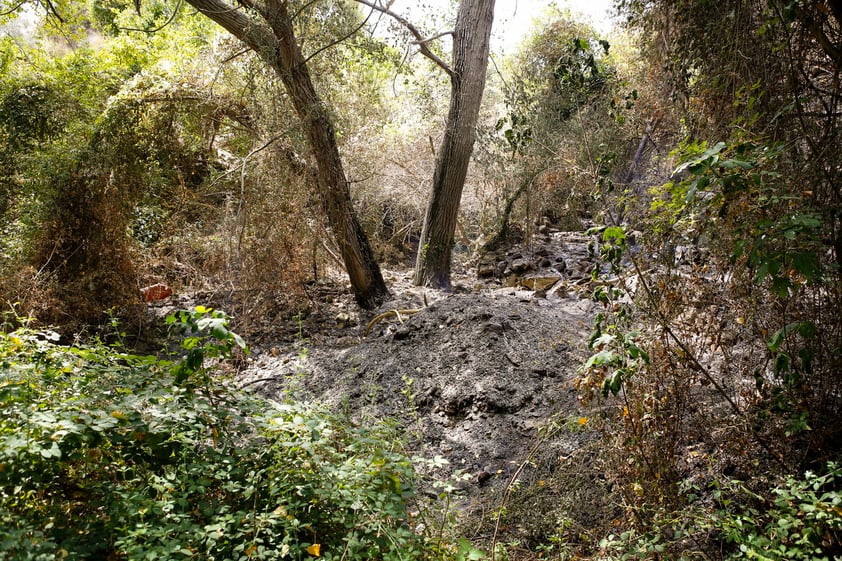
(473, 376)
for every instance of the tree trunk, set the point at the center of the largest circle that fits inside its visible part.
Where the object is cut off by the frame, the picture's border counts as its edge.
(276, 44)
(471, 39)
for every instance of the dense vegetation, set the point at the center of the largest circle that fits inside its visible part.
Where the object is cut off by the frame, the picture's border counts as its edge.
(700, 148)
(110, 455)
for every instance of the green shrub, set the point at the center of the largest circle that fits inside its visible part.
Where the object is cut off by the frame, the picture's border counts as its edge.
(802, 521)
(108, 455)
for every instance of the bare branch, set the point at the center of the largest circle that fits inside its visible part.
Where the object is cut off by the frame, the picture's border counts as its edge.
(51, 9)
(340, 40)
(160, 27)
(419, 39)
(433, 38)
(13, 9)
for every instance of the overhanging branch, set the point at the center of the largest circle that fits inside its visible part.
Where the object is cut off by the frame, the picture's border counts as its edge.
(420, 40)
(341, 40)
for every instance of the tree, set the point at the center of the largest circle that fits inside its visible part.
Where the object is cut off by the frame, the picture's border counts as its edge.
(267, 28)
(562, 129)
(471, 45)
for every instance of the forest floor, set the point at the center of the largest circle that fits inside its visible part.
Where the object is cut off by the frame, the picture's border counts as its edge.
(480, 376)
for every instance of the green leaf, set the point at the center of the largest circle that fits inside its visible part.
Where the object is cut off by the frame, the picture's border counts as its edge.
(807, 264)
(613, 233)
(614, 383)
(731, 164)
(700, 163)
(782, 363)
(602, 358)
(636, 352)
(52, 452)
(777, 340)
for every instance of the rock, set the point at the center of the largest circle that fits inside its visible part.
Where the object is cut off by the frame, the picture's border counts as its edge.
(520, 265)
(486, 270)
(484, 475)
(155, 292)
(543, 283)
(401, 333)
(493, 327)
(346, 342)
(342, 320)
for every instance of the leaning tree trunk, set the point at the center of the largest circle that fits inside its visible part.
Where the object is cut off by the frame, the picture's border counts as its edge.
(276, 44)
(471, 39)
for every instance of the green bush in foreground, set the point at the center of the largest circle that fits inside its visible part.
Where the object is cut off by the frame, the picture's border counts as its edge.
(804, 521)
(799, 519)
(106, 455)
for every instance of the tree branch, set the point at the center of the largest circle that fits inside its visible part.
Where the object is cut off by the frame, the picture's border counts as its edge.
(12, 9)
(255, 35)
(51, 9)
(433, 38)
(341, 40)
(159, 28)
(831, 50)
(419, 39)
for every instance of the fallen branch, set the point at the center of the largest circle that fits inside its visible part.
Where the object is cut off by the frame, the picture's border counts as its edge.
(397, 313)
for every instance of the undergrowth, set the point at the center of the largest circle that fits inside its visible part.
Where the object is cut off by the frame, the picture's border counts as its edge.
(109, 455)
(715, 366)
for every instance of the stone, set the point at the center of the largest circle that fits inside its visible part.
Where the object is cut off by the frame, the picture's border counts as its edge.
(342, 320)
(542, 283)
(155, 292)
(520, 265)
(486, 270)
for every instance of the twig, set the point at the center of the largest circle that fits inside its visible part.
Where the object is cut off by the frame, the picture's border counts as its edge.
(510, 485)
(387, 313)
(159, 28)
(341, 40)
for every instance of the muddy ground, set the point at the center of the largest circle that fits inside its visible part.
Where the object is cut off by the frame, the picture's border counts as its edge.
(473, 376)
(480, 376)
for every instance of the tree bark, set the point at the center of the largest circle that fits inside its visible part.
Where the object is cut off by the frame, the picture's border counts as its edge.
(471, 43)
(272, 37)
